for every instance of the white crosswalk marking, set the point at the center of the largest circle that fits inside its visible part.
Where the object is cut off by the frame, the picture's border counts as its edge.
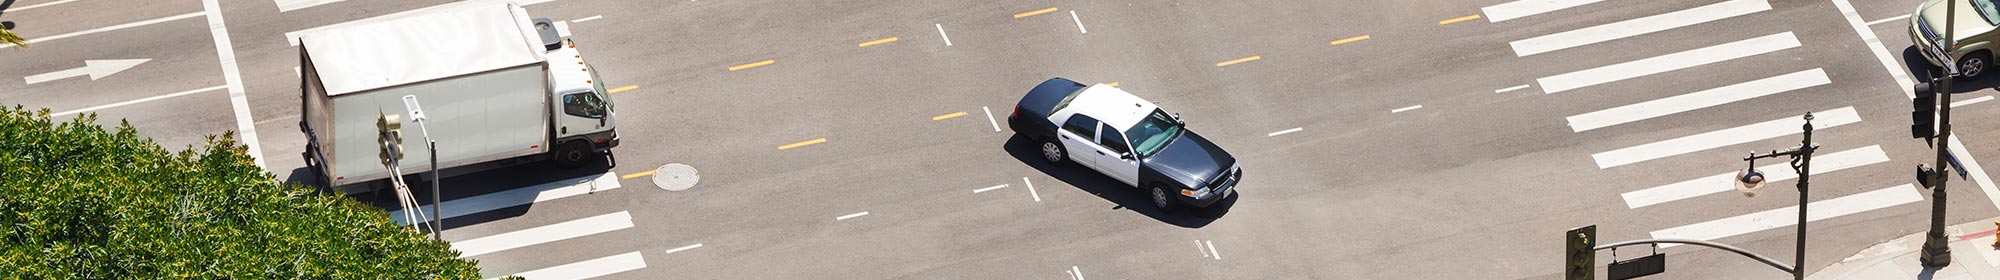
(1524, 8)
(1715, 139)
(1669, 62)
(289, 5)
(1698, 100)
(520, 196)
(543, 234)
(1773, 173)
(588, 269)
(1788, 216)
(1638, 26)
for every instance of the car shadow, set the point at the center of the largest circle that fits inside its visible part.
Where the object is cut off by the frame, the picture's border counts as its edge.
(1126, 197)
(500, 179)
(1921, 70)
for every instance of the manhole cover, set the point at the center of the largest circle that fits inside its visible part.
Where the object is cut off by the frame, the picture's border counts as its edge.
(676, 177)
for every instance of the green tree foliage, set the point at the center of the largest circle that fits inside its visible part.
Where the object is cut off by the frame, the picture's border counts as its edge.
(80, 202)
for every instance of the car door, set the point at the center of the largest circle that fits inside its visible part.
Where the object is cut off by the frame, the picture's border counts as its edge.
(1079, 136)
(1114, 156)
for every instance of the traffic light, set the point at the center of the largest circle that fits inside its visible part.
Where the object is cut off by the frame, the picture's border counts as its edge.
(389, 131)
(1581, 254)
(1923, 111)
(1925, 175)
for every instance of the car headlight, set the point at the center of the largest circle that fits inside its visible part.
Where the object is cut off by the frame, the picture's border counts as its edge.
(1201, 192)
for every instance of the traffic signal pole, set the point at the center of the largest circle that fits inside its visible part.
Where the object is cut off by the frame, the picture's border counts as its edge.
(1936, 251)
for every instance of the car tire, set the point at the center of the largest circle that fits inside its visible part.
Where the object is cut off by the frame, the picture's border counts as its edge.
(573, 154)
(1973, 65)
(1162, 199)
(1053, 152)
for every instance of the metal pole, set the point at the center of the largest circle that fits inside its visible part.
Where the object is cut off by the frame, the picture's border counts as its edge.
(1804, 168)
(437, 225)
(1937, 253)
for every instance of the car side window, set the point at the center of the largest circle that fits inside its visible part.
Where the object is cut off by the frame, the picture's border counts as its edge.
(1081, 125)
(1112, 140)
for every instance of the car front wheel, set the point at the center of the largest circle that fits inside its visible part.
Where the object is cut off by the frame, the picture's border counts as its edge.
(1163, 199)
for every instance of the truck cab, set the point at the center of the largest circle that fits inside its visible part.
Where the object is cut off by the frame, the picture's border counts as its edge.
(586, 123)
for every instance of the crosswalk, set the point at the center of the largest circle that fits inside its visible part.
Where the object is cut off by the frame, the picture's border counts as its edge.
(1672, 109)
(517, 240)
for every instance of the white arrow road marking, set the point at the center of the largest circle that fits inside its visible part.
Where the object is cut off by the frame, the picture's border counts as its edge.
(96, 69)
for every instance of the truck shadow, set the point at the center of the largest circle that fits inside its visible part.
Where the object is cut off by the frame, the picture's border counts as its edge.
(502, 179)
(1126, 197)
(1921, 70)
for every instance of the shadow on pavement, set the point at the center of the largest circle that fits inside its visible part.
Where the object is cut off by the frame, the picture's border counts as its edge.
(1921, 70)
(1126, 197)
(478, 183)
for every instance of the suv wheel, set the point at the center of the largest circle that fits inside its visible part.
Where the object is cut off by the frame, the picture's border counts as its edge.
(1973, 66)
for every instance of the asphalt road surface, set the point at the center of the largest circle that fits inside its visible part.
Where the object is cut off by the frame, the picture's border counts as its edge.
(1421, 139)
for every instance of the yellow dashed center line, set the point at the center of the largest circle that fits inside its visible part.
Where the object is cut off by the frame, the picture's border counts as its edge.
(1458, 19)
(1350, 40)
(1036, 12)
(1112, 84)
(752, 64)
(801, 144)
(622, 89)
(640, 174)
(947, 116)
(878, 42)
(1239, 60)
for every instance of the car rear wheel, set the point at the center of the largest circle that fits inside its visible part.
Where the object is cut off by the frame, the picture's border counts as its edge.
(1053, 152)
(1973, 66)
(1163, 199)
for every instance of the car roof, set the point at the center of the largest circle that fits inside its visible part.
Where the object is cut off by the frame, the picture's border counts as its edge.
(1110, 105)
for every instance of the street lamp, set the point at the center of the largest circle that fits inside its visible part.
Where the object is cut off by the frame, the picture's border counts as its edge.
(437, 216)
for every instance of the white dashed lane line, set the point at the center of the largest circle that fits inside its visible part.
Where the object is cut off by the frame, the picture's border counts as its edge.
(851, 216)
(1406, 109)
(981, 190)
(1283, 132)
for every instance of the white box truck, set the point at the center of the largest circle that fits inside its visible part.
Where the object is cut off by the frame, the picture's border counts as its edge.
(495, 84)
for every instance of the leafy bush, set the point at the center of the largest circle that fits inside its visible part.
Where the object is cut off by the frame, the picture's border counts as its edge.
(80, 202)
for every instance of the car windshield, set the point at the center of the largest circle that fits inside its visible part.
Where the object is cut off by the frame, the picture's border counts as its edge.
(1987, 10)
(1153, 133)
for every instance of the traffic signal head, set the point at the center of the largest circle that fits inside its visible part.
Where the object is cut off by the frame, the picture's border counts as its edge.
(1923, 111)
(389, 131)
(1580, 255)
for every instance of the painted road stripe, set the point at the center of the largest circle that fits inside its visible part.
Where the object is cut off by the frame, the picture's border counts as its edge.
(239, 101)
(801, 144)
(989, 118)
(1955, 104)
(947, 38)
(1031, 189)
(46, 39)
(137, 101)
(521, 196)
(543, 234)
(1079, 22)
(640, 174)
(1894, 18)
(1638, 26)
(1978, 173)
(1239, 60)
(1524, 8)
(1788, 216)
(622, 89)
(981, 190)
(1211, 249)
(1035, 12)
(1697, 100)
(947, 116)
(1458, 19)
(1406, 109)
(851, 216)
(879, 41)
(1716, 139)
(588, 269)
(1895, 69)
(1077, 271)
(1669, 62)
(1727, 181)
(290, 5)
(588, 18)
(1348, 40)
(1513, 88)
(24, 8)
(683, 248)
(1112, 84)
(752, 64)
(1283, 132)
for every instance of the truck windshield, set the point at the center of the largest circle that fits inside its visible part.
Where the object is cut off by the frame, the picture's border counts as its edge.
(597, 85)
(1153, 133)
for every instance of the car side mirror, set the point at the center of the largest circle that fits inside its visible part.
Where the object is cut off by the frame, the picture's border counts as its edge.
(1126, 156)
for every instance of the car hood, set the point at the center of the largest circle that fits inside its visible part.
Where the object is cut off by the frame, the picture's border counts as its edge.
(1190, 160)
(1969, 21)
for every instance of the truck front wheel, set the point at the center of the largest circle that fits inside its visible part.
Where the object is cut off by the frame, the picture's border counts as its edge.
(573, 154)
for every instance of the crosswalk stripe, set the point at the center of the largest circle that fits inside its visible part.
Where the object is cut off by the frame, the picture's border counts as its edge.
(289, 5)
(543, 234)
(1788, 216)
(1524, 8)
(1715, 139)
(1638, 26)
(1669, 62)
(587, 269)
(1698, 100)
(520, 196)
(1774, 172)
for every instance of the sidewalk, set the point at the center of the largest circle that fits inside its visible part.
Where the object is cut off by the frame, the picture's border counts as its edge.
(1973, 256)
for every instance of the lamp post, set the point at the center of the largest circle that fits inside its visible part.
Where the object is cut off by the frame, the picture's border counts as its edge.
(437, 216)
(1750, 181)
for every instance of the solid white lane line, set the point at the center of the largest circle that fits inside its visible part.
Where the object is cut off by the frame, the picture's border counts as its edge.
(1955, 104)
(989, 118)
(1727, 181)
(1283, 132)
(1978, 173)
(947, 38)
(683, 248)
(137, 101)
(1404, 109)
(589, 18)
(1894, 18)
(1513, 88)
(1669, 62)
(521, 196)
(246, 127)
(543, 234)
(1077, 271)
(1638, 26)
(588, 269)
(24, 8)
(1788, 216)
(1875, 47)
(1079, 22)
(851, 216)
(981, 190)
(1524, 8)
(1697, 100)
(1031, 189)
(1716, 139)
(46, 39)
(1211, 249)
(290, 5)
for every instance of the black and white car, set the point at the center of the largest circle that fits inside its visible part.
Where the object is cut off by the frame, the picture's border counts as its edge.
(1126, 138)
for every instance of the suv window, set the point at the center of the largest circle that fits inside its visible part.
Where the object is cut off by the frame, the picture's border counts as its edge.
(1112, 140)
(1081, 125)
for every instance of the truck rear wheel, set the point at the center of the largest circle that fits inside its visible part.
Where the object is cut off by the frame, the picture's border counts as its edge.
(573, 154)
